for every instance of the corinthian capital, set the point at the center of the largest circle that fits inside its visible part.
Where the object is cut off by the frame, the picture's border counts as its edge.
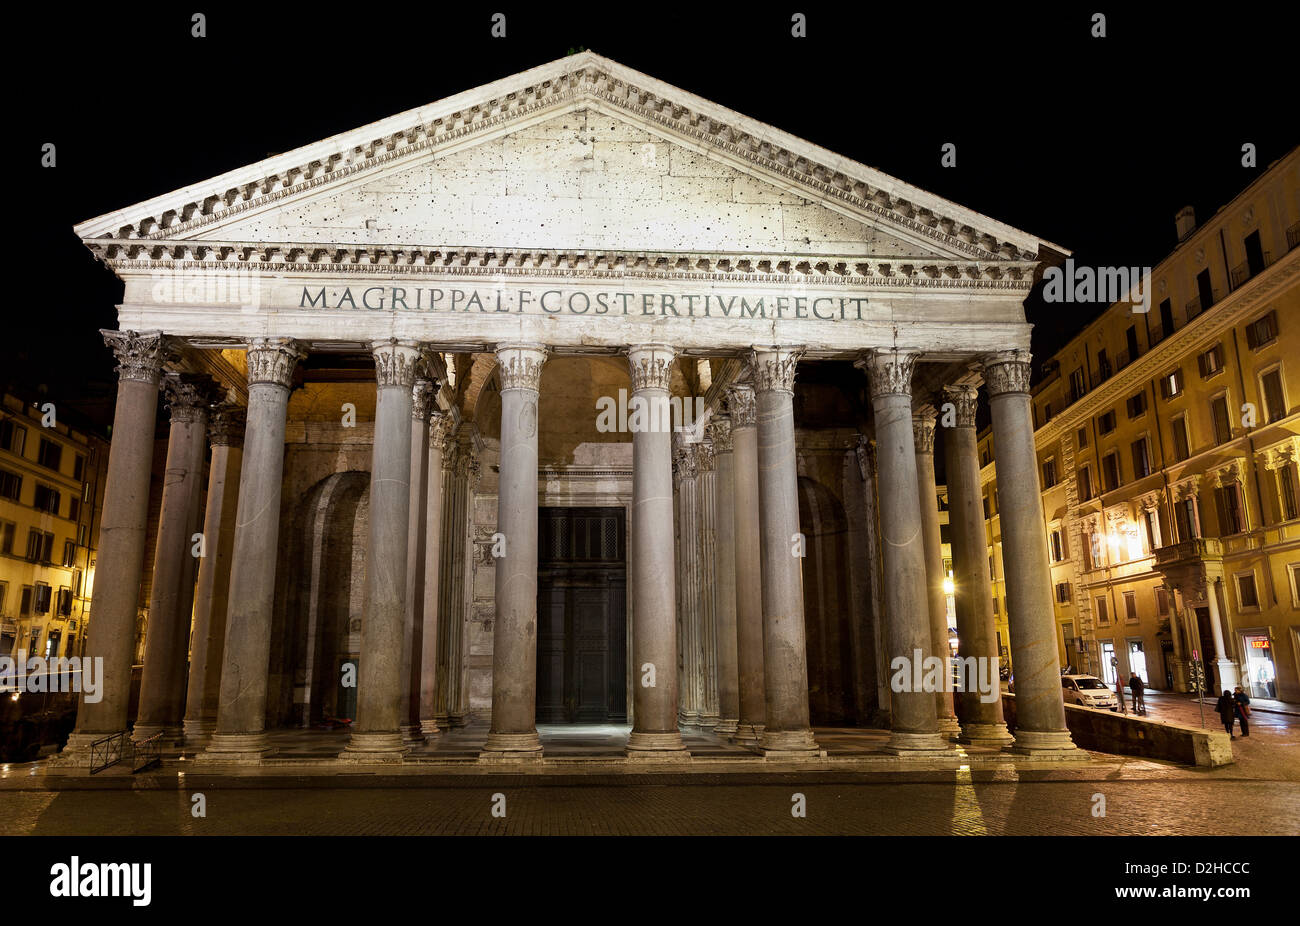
(651, 366)
(421, 399)
(271, 361)
(1007, 371)
(396, 362)
(187, 395)
(226, 426)
(742, 406)
(720, 433)
(923, 429)
(965, 400)
(520, 366)
(772, 369)
(888, 371)
(140, 357)
(439, 431)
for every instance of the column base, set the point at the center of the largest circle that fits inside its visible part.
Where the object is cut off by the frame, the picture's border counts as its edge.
(918, 745)
(143, 731)
(1053, 744)
(949, 727)
(748, 734)
(198, 732)
(241, 748)
(667, 746)
(709, 721)
(511, 747)
(411, 734)
(429, 730)
(374, 748)
(726, 726)
(688, 718)
(456, 720)
(994, 735)
(788, 744)
(1228, 675)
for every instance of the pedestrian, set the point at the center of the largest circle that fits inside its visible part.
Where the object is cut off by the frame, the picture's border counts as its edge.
(1243, 709)
(1226, 708)
(1119, 693)
(1139, 700)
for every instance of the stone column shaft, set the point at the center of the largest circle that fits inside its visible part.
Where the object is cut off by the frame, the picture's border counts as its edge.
(724, 586)
(914, 727)
(706, 582)
(751, 675)
(514, 635)
(982, 722)
(787, 733)
(120, 559)
(382, 698)
(928, 498)
(241, 712)
(432, 579)
(1225, 667)
(226, 431)
(654, 628)
(171, 605)
(413, 632)
(1040, 709)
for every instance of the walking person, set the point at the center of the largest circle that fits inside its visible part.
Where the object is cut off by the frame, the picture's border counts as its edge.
(1139, 700)
(1226, 708)
(1242, 700)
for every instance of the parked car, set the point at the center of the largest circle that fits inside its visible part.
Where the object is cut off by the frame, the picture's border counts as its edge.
(1088, 691)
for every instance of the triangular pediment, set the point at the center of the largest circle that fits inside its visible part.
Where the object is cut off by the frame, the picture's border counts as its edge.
(581, 153)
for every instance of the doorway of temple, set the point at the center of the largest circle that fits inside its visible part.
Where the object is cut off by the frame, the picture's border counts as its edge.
(581, 615)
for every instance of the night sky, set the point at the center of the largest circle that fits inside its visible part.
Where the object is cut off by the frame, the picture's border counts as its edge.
(1091, 143)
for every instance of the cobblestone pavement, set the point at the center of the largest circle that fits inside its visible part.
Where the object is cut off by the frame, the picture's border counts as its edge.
(956, 807)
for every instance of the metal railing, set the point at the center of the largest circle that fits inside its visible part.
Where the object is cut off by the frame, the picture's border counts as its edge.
(117, 747)
(1293, 236)
(1243, 271)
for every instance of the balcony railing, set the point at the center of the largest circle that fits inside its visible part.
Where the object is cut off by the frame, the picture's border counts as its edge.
(1199, 548)
(1243, 272)
(1293, 237)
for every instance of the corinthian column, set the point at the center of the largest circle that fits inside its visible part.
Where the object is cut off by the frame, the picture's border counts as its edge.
(1040, 709)
(171, 604)
(514, 637)
(751, 677)
(432, 577)
(923, 438)
(980, 716)
(788, 733)
(654, 637)
(241, 711)
(413, 632)
(226, 434)
(377, 737)
(913, 719)
(111, 635)
(724, 586)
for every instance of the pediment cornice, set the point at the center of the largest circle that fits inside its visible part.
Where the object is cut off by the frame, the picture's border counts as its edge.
(590, 79)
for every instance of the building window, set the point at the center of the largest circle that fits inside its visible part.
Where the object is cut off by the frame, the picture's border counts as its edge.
(1137, 405)
(78, 467)
(1131, 607)
(13, 437)
(1211, 362)
(7, 530)
(1247, 596)
(1085, 484)
(42, 598)
(1262, 331)
(1049, 473)
(1293, 570)
(987, 514)
(1286, 491)
(1187, 519)
(1270, 387)
(1103, 365)
(50, 454)
(1222, 423)
(1058, 546)
(1082, 438)
(1110, 477)
(45, 498)
(25, 601)
(64, 605)
(1182, 450)
(1103, 616)
(1062, 592)
(11, 485)
(76, 583)
(1171, 384)
(1078, 387)
(1232, 518)
(995, 604)
(985, 457)
(69, 553)
(1106, 423)
(40, 546)
(4, 590)
(1162, 600)
(74, 508)
(1141, 459)
(1151, 519)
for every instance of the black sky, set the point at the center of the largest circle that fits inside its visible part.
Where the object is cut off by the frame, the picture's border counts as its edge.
(1091, 143)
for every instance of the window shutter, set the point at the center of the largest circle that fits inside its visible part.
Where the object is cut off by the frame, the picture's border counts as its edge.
(1252, 336)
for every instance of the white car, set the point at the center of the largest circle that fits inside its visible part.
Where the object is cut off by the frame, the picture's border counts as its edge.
(1088, 691)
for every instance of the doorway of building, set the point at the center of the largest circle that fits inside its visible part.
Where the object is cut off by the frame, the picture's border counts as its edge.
(582, 615)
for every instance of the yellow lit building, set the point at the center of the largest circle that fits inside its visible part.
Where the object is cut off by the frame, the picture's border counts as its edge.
(51, 490)
(1168, 443)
